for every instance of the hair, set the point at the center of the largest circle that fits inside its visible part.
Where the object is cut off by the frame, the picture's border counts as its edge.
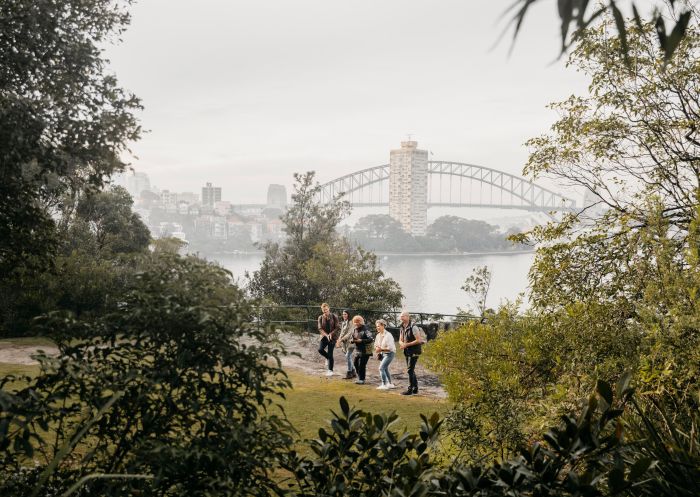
(381, 321)
(324, 305)
(345, 311)
(405, 313)
(358, 319)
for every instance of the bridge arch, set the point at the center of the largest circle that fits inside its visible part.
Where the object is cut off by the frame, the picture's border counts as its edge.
(529, 195)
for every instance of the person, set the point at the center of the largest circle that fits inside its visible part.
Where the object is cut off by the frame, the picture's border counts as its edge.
(385, 348)
(411, 339)
(362, 338)
(345, 342)
(329, 329)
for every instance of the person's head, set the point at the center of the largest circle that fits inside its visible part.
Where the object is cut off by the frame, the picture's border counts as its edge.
(381, 325)
(405, 317)
(325, 308)
(358, 321)
(346, 315)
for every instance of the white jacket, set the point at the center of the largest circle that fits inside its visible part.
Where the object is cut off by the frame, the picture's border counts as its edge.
(385, 342)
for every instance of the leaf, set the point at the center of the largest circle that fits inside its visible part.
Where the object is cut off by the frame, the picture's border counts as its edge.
(603, 388)
(639, 468)
(676, 36)
(344, 406)
(622, 31)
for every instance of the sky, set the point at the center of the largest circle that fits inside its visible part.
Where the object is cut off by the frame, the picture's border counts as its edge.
(243, 93)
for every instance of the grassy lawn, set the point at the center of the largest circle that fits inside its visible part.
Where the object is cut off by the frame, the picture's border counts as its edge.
(311, 399)
(309, 403)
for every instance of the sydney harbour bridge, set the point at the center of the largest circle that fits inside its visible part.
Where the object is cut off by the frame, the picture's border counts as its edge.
(451, 184)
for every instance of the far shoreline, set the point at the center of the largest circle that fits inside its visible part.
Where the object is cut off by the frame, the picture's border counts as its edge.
(390, 254)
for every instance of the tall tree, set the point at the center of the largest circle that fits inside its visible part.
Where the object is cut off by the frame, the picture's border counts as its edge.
(314, 263)
(64, 120)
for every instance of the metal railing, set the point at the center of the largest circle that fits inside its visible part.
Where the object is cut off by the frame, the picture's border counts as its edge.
(304, 318)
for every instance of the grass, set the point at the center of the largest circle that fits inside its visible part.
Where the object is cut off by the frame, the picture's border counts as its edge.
(309, 403)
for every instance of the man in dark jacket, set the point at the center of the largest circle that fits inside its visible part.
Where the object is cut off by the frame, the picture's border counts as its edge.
(411, 339)
(364, 345)
(329, 330)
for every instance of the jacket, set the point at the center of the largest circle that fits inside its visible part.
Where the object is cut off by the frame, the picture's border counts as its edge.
(346, 332)
(363, 340)
(410, 333)
(335, 325)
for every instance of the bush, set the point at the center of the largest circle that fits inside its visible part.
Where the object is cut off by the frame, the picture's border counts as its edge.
(174, 385)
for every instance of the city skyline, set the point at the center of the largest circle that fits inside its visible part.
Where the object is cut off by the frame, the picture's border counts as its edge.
(245, 106)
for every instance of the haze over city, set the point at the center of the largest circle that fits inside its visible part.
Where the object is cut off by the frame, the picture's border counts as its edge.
(244, 94)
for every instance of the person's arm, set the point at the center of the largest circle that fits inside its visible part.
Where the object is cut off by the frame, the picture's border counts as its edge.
(320, 326)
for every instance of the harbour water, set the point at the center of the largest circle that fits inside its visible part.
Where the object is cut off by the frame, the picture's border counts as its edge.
(431, 283)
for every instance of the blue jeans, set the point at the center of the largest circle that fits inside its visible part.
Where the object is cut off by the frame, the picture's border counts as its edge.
(387, 357)
(348, 357)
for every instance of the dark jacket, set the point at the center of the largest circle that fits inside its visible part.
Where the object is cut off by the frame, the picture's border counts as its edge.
(409, 334)
(335, 325)
(363, 340)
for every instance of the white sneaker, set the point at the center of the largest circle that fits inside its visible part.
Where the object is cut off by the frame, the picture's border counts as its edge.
(382, 387)
(390, 385)
(329, 373)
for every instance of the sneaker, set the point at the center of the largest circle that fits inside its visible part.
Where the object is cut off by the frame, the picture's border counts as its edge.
(354, 374)
(408, 392)
(360, 382)
(390, 385)
(329, 373)
(348, 375)
(382, 387)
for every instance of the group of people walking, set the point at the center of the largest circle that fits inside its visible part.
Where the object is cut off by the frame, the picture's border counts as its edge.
(359, 344)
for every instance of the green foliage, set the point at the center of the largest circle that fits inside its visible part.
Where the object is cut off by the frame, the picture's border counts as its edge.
(581, 15)
(315, 264)
(477, 286)
(175, 383)
(584, 455)
(114, 227)
(446, 234)
(64, 121)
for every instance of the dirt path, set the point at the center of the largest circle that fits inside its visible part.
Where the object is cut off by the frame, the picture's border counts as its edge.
(303, 357)
(309, 361)
(22, 354)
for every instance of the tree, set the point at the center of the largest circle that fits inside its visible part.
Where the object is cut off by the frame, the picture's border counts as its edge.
(612, 290)
(477, 286)
(581, 15)
(64, 121)
(113, 225)
(175, 385)
(314, 264)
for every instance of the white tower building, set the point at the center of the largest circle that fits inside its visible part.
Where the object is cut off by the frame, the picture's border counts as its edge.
(408, 187)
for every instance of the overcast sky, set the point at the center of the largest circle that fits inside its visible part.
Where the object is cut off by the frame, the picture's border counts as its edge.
(243, 93)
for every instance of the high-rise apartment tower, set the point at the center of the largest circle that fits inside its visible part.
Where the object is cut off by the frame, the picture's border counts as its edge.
(408, 187)
(211, 195)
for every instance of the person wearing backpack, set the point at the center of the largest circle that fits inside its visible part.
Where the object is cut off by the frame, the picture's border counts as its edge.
(411, 339)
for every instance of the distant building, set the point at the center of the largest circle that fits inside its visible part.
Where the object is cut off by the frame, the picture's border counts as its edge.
(276, 197)
(408, 193)
(211, 195)
(222, 207)
(134, 182)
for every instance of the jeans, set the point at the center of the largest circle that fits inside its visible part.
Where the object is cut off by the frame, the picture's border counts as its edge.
(361, 365)
(348, 357)
(387, 357)
(330, 344)
(411, 361)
